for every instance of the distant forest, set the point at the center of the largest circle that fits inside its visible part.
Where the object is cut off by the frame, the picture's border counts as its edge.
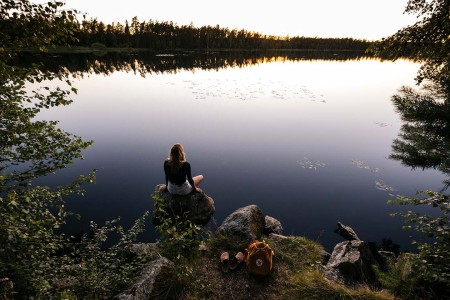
(168, 36)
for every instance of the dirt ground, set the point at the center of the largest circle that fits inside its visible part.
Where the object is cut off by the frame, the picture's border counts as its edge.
(240, 283)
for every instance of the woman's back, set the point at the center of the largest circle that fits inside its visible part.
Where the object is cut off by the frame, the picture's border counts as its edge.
(178, 173)
(177, 176)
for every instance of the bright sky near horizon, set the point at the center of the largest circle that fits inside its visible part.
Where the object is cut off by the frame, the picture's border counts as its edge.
(362, 19)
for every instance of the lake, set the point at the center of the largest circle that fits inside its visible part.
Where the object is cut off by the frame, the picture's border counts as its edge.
(306, 139)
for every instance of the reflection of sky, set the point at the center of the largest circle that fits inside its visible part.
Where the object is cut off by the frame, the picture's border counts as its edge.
(247, 131)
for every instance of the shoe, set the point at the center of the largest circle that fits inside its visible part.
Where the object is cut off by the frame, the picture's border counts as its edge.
(225, 261)
(236, 260)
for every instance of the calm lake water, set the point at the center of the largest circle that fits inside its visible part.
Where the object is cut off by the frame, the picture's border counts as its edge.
(306, 140)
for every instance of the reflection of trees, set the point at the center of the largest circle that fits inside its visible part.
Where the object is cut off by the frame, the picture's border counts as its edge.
(149, 62)
(424, 141)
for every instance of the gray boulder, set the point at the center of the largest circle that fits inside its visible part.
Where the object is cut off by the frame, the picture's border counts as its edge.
(352, 260)
(245, 223)
(143, 285)
(143, 248)
(325, 256)
(272, 225)
(346, 232)
(196, 207)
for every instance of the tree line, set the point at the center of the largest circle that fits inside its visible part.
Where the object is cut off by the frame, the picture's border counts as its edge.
(168, 35)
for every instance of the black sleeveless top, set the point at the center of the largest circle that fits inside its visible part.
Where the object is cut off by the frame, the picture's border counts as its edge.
(179, 177)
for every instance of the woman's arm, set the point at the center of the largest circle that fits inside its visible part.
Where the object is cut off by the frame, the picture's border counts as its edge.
(167, 176)
(189, 177)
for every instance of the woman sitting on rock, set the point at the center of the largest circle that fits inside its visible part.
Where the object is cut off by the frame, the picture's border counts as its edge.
(179, 180)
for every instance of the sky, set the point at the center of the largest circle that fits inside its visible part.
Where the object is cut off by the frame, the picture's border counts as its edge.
(364, 19)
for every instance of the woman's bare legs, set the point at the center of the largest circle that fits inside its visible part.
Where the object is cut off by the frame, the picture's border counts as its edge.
(197, 180)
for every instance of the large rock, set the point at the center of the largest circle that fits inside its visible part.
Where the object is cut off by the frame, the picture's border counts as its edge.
(143, 286)
(353, 261)
(346, 232)
(247, 223)
(272, 225)
(196, 207)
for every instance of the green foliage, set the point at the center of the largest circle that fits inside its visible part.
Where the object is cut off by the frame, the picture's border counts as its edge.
(180, 237)
(25, 24)
(424, 139)
(41, 262)
(426, 40)
(163, 35)
(180, 240)
(184, 278)
(93, 270)
(27, 236)
(433, 263)
(31, 149)
(399, 278)
(299, 253)
(312, 285)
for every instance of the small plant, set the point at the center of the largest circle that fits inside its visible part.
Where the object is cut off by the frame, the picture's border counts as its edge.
(180, 240)
(96, 271)
(433, 262)
(180, 236)
(28, 240)
(399, 278)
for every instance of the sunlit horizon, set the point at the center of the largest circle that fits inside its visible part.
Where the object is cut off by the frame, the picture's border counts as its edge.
(358, 19)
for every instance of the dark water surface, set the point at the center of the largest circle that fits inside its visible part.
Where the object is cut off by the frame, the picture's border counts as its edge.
(306, 138)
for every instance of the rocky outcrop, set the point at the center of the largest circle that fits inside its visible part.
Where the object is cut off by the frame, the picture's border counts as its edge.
(144, 284)
(245, 223)
(351, 262)
(325, 256)
(143, 248)
(272, 225)
(196, 207)
(346, 232)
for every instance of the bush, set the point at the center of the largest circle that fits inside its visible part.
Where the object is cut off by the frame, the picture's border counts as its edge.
(433, 263)
(180, 237)
(93, 271)
(180, 240)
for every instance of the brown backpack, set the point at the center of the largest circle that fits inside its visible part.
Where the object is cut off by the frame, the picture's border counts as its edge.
(259, 258)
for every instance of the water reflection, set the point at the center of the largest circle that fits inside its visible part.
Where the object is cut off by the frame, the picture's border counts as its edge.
(150, 63)
(259, 133)
(424, 139)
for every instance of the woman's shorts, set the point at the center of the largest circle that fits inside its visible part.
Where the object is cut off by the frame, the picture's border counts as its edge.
(183, 189)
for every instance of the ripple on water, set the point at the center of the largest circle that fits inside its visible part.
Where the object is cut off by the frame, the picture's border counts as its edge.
(233, 89)
(311, 165)
(362, 165)
(382, 186)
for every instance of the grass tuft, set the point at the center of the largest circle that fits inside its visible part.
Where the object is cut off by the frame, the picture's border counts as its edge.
(295, 275)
